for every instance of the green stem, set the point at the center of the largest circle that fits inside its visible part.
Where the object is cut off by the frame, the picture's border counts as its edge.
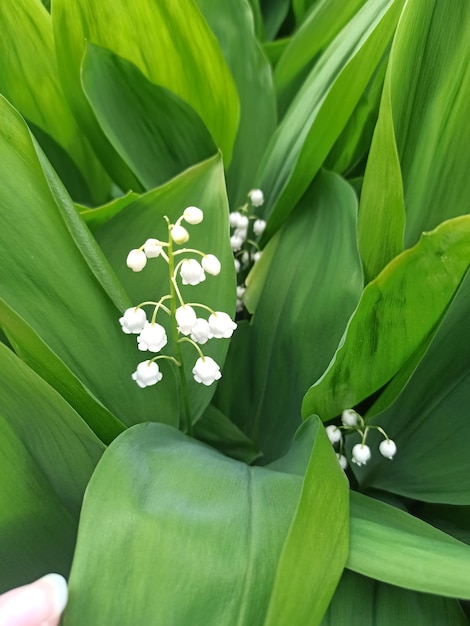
(174, 331)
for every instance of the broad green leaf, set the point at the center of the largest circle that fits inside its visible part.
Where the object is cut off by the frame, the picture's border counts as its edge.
(156, 133)
(429, 419)
(29, 79)
(326, 19)
(232, 24)
(94, 218)
(214, 526)
(169, 42)
(417, 173)
(392, 546)
(57, 282)
(180, 516)
(304, 587)
(203, 186)
(311, 282)
(47, 455)
(215, 429)
(275, 49)
(397, 312)
(361, 601)
(321, 109)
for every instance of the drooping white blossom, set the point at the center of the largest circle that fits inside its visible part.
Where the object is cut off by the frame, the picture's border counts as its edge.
(240, 293)
(360, 454)
(206, 371)
(185, 318)
(179, 234)
(257, 256)
(342, 460)
(152, 337)
(192, 272)
(259, 227)
(136, 260)
(334, 433)
(388, 448)
(237, 265)
(221, 325)
(201, 332)
(152, 248)
(236, 243)
(211, 264)
(349, 417)
(133, 320)
(234, 219)
(147, 373)
(256, 197)
(193, 215)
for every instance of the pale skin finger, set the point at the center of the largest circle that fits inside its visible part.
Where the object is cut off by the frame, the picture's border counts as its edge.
(38, 604)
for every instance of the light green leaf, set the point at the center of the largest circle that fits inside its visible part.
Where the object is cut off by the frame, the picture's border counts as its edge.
(94, 218)
(429, 419)
(392, 546)
(326, 19)
(47, 455)
(169, 42)
(156, 133)
(57, 282)
(306, 284)
(203, 186)
(232, 24)
(213, 526)
(29, 79)
(316, 548)
(320, 111)
(417, 173)
(397, 312)
(361, 601)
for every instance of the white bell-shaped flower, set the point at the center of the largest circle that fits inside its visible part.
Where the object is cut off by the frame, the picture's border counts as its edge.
(259, 227)
(240, 293)
(221, 325)
(334, 433)
(237, 265)
(360, 454)
(185, 318)
(152, 248)
(152, 337)
(191, 272)
(193, 215)
(234, 218)
(147, 373)
(342, 460)
(206, 371)
(211, 264)
(243, 222)
(201, 332)
(179, 234)
(349, 417)
(133, 320)
(388, 448)
(256, 197)
(136, 260)
(236, 243)
(257, 256)
(241, 233)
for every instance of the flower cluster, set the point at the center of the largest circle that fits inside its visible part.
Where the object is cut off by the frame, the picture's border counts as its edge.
(245, 231)
(361, 452)
(186, 325)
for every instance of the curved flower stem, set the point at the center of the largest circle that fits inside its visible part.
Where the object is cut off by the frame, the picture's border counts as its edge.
(174, 293)
(184, 250)
(201, 306)
(193, 343)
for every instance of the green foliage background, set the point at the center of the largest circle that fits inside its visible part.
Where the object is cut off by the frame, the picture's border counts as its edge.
(352, 117)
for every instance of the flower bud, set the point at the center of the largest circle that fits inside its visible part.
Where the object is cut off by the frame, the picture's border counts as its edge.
(349, 418)
(342, 460)
(388, 448)
(179, 234)
(211, 264)
(191, 272)
(136, 260)
(334, 433)
(147, 373)
(256, 197)
(206, 371)
(193, 215)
